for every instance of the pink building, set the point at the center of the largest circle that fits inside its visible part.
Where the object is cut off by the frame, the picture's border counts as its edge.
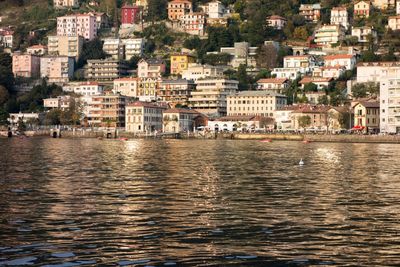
(152, 67)
(26, 65)
(79, 24)
(276, 22)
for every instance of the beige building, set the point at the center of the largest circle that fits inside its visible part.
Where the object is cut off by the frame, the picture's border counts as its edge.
(362, 8)
(383, 4)
(210, 96)
(311, 12)
(196, 71)
(144, 117)
(390, 105)
(38, 50)
(318, 115)
(366, 116)
(377, 71)
(394, 23)
(148, 87)
(65, 3)
(60, 102)
(127, 86)
(58, 69)
(175, 92)
(327, 35)
(107, 110)
(179, 120)
(151, 68)
(70, 46)
(105, 69)
(257, 103)
(276, 85)
(25, 65)
(123, 49)
(84, 88)
(276, 22)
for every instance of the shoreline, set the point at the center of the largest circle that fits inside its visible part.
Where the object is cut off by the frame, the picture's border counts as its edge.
(268, 137)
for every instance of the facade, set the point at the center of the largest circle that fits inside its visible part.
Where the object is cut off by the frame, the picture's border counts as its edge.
(210, 96)
(287, 73)
(394, 23)
(346, 61)
(364, 34)
(130, 14)
(255, 103)
(311, 12)
(197, 71)
(216, 10)
(25, 65)
(175, 92)
(102, 19)
(178, 8)
(377, 71)
(38, 50)
(6, 37)
(314, 97)
(397, 7)
(152, 68)
(362, 9)
(193, 23)
(107, 110)
(105, 69)
(60, 102)
(58, 69)
(148, 88)
(303, 63)
(70, 46)
(79, 24)
(126, 86)
(276, 22)
(320, 82)
(317, 113)
(276, 85)
(327, 35)
(241, 53)
(84, 88)
(143, 117)
(114, 48)
(180, 63)
(339, 16)
(65, 3)
(123, 49)
(390, 105)
(366, 116)
(332, 72)
(178, 120)
(240, 123)
(383, 4)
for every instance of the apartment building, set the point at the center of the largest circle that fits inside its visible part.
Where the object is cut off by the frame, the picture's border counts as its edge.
(70, 46)
(130, 14)
(6, 37)
(127, 86)
(152, 67)
(59, 102)
(303, 63)
(328, 35)
(123, 49)
(78, 24)
(196, 71)
(377, 71)
(193, 23)
(276, 85)
(105, 69)
(394, 23)
(178, 8)
(287, 73)
(241, 53)
(106, 110)
(383, 4)
(346, 61)
(84, 88)
(58, 69)
(311, 12)
(210, 96)
(65, 3)
(255, 103)
(147, 88)
(25, 65)
(144, 117)
(390, 105)
(178, 120)
(366, 116)
(364, 34)
(180, 63)
(175, 92)
(339, 16)
(320, 82)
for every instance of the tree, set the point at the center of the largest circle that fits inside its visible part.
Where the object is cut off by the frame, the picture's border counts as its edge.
(304, 121)
(243, 78)
(361, 90)
(217, 59)
(310, 87)
(4, 95)
(156, 10)
(53, 117)
(300, 33)
(267, 56)
(3, 117)
(91, 50)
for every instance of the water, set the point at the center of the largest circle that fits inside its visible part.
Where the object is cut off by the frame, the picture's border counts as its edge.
(198, 203)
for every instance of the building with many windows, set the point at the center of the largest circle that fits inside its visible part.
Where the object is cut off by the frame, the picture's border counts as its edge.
(144, 117)
(311, 12)
(84, 88)
(276, 22)
(106, 110)
(127, 86)
(328, 35)
(193, 23)
(25, 65)
(362, 8)
(175, 92)
(65, 3)
(390, 105)
(70, 46)
(198, 71)
(78, 24)
(151, 68)
(58, 69)
(105, 69)
(130, 14)
(394, 23)
(339, 16)
(180, 63)
(366, 116)
(178, 8)
(276, 85)
(123, 49)
(177, 120)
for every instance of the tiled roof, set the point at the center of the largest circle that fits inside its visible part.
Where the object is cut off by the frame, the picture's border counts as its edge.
(314, 80)
(143, 104)
(333, 57)
(181, 110)
(256, 93)
(369, 104)
(273, 80)
(127, 79)
(276, 17)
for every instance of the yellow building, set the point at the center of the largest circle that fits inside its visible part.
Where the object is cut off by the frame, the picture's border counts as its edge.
(366, 115)
(180, 62)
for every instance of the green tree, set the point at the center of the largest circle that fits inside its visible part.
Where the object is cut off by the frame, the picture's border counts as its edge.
(361, 90)
(310, 87)
(245, 81)
(91, 50)
(4, 95)
(53, 117)
(300, 33)
(157, 10)
(304, 121)
(3, 117)
(217, 59)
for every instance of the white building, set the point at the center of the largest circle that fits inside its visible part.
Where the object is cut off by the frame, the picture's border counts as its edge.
(123, 49)
(197, 71)
(79, 24)
(347, 61)
(397, 7)
(241, 53)
(276, 85)
(210, 96)
(286, 73)
(177, 120)
(126, 86)
(364, 34)
(276, 22)
(216, 10)
(339, 16)
(327, 35)
(257, 103)
(38, 50)
(394, 23)
(84, 88)
(193, 23)
(377, 71)
(6, 37)
(152, 67)
(60, 102)
(65, 3)
(57, 69)
(143, 117)
(390, 105)
(304, 63)
(383, 4)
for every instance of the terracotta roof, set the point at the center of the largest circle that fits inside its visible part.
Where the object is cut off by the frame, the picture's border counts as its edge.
(276, 17)
(127, 79)
(36, 46)
(89, 83)
(143, 104)
(312, 109)
(394, 17)
(314, 80)
(180, 1)
(333, 57)
(273, 80)
(339, 8)
(369, 104)
(181, 110)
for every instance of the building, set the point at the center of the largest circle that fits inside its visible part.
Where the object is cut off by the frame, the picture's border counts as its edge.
(240, 124)
(148, 88)
(331, 72)
(59, 102)
(339, 16)
(328, 35)
(178, 8)
(311, 12)
(394, 23)
(320, 82)
(65, 3)
(152, 68)
(364, 34)
(130, 14)
(38, 50)
(180, 62)
(175, 92)
(25, 65)
(133, 47)
(303, 63)
(178, 120)
(105, 69)
(69, 46)
(277, 85)
(78, 24)
(377, 71)
(383, 4)
(6, 37)
(255, 103)
(84, 88)
(210, 96)
(346, 61)
(102, 19)
(318, 115)
(366, 116)
(216, 10)
(286, 73)
(26, 118)
(241, 53)
(193, 23)
(276, 22)
(144, 117)
(106, 110)
(58, 69)
(397, 7)
(362, 9)
(142, 3)
(127, 86)
(390, 105)
(197, 71)
(123, 49)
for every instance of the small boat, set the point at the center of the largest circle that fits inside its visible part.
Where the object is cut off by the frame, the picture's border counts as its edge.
(266, 141)
(306, 142)
(123, 139)
(301, 162)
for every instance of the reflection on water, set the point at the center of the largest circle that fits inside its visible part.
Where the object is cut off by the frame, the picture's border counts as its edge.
(172, 202)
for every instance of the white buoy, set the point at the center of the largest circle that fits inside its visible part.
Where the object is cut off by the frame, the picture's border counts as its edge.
(301, 163)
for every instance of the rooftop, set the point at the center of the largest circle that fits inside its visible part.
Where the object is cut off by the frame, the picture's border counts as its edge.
(256, 93)
(273, 80)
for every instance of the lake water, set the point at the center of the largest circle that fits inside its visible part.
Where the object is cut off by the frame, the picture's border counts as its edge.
(89, 202)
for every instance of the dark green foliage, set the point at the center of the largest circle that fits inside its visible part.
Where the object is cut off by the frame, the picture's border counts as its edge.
(217, 59)
(3, 117)
(157, 10)
(91, 50)
(310, 87)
